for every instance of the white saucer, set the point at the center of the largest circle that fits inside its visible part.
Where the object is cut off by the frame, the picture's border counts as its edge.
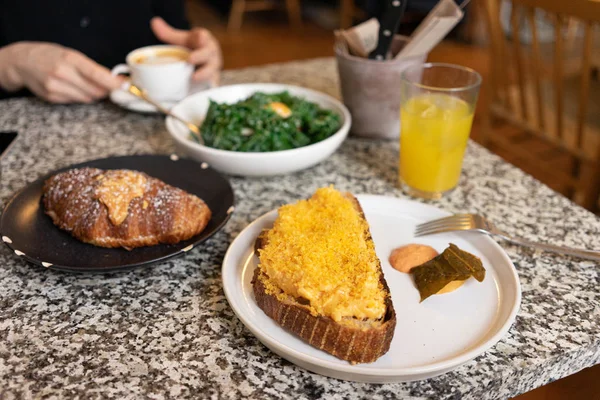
(128, 101)
(432, 337)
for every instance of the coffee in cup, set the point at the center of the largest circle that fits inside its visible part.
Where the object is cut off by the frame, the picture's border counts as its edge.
(161, 56)
(162, 71)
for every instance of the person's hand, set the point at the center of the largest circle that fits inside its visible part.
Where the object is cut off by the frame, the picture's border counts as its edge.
(54, 73)
(206, 52)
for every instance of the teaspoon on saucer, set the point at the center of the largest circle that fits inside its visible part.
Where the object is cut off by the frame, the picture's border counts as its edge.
(141, 93)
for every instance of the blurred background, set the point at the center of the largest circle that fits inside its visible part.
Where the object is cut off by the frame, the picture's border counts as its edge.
(254, 32)
(540, 115)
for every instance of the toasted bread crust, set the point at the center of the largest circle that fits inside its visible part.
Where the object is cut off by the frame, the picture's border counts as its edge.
(353, 343)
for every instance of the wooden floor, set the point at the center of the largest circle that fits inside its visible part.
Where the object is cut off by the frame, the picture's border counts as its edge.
(266, 38)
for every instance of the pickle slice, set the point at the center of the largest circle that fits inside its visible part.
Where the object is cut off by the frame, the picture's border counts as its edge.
(453, 264)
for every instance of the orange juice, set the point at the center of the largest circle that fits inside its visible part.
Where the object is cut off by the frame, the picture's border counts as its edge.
(435, 130)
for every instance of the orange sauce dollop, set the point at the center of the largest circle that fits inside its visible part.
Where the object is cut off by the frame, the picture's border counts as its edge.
(405, 258)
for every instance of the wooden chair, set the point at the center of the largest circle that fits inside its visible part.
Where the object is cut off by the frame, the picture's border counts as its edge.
(550, 132)
(239, 7)
(349, 12)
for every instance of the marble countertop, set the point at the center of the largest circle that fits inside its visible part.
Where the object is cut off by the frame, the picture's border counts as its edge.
(167, 331)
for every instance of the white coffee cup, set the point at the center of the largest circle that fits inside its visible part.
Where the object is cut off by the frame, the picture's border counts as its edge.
(162, 71)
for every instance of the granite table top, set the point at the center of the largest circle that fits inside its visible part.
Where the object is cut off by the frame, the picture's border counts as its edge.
(168, 332)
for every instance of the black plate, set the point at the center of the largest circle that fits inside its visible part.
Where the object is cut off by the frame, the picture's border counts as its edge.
(31, 234)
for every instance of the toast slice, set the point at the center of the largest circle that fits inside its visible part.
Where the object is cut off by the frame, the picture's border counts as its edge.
(320, 279)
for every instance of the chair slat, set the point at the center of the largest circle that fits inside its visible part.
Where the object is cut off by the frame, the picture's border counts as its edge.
(558, 74)
(518, 60)
(589, 185)
(585, 10)
(497, 81)
(532, 130)
(236, 15)
(558, 175)
(537, 68)
(582, 168)
(294, 13)
(586, 72)
(346, 13)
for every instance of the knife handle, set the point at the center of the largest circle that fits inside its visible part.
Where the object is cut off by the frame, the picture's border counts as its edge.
(388, 26)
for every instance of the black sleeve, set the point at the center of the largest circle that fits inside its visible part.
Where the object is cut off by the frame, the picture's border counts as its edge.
(172, 11)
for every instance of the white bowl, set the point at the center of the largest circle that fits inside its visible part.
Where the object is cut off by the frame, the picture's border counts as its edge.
(194, 108)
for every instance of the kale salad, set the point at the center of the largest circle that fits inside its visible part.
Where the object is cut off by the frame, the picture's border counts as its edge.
(267, 122)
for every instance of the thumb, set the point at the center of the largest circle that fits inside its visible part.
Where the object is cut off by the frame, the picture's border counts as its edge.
(166, 33)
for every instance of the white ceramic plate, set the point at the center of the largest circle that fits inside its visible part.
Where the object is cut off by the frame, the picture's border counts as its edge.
(129, 102)
(432, 337)
(194, 108)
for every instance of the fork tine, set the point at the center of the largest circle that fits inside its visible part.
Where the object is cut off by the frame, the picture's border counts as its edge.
(443, 230)
(455, 217)
(457, 222)
(457, 227)
(458, 218)
(448, 224)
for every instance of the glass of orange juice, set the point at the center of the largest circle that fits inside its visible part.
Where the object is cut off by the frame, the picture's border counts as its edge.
(436, 113)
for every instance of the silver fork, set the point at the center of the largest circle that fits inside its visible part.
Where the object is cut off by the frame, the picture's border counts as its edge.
(477, 223)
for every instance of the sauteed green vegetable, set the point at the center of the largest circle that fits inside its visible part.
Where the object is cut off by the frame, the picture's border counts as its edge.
(267, 122)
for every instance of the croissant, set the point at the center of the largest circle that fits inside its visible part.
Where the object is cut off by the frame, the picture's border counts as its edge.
(122, 208)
